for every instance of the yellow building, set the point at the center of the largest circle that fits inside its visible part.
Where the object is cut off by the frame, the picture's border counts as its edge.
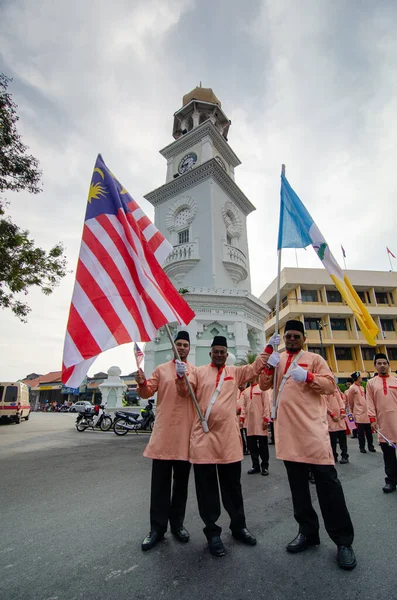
(331, 330)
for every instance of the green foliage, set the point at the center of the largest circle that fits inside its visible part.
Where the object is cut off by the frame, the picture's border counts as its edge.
(183, 291)
(22, 264)
(249, 359)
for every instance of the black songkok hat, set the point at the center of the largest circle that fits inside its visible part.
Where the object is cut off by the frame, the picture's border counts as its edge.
(380, 355)
(182, 335)
(219, 340)
(355, 375)
(294, 325)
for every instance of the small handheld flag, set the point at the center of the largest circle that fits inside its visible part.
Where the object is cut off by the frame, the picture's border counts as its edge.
(390, 252)
(343, 251)
(139, 355)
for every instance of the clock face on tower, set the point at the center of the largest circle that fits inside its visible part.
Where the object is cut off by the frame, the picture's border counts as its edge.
(187, 163)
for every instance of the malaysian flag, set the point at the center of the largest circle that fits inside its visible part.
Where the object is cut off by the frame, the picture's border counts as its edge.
(139, 355)
(121, 293)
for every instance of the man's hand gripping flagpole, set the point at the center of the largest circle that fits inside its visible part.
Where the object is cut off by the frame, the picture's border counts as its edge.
(203, 422)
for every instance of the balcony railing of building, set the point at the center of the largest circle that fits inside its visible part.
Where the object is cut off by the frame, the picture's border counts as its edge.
(189, 251)
(235, 262)
(294, 303)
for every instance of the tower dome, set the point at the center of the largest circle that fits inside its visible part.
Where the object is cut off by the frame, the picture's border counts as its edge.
(198, 106)
(201, 94)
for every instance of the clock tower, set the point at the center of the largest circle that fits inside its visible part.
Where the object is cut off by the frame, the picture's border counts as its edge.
(202, 212)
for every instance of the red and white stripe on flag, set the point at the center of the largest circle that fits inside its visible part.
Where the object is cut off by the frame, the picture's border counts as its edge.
(121, 293)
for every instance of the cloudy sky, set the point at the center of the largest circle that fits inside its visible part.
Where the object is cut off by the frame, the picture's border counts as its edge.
(312, 84)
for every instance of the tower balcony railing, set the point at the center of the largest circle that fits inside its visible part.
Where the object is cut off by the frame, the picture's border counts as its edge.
(235, 262)
(189, 251)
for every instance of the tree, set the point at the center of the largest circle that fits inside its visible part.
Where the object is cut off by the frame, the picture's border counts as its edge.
(22, 264)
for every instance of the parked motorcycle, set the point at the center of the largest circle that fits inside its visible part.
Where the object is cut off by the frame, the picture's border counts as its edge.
(87, 419)
(126, 421)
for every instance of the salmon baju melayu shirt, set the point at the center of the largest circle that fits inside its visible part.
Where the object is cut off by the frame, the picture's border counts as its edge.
(239, 408)
(301, 427)
(358, 403)
(222, 444)
(336, 407)
(170, 437)
(256, 410)
(382, 405)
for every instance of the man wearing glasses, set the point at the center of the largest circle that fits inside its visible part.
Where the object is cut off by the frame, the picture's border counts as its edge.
(303, 380)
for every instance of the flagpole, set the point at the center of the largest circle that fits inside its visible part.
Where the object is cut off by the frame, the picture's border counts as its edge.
(391, 264)
(344, 262)
(277, 311)
(203, 422)
(279, 273)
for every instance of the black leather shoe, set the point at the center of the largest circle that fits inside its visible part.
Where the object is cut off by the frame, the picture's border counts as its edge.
(344, 461)
(302, 542)
(181, 534)
(151, 540)
(245, 536)
(372, 449)
(388, 488)
(363, 451)
(216, 546)
(265, 472)
(253, 470)
(346, 558)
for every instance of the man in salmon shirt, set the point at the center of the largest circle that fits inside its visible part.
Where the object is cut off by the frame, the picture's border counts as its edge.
(302, 442)
(336, 415)
(255, 416)
(218, 453)
(358, 406)
(168, 446)
(382, 411)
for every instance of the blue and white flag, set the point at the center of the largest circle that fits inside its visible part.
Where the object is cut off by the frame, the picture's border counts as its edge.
(298, 230)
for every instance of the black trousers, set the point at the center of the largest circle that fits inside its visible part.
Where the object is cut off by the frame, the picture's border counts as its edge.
(243, 432)
(390, 460)
(258, 447)
(207, 490)
(364, 431)
(331, 499)
(167, 505)
(339, 436)
(270, 437)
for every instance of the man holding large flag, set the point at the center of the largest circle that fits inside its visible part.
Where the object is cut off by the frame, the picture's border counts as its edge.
(168, 446)
(121, 293)
(301, 382)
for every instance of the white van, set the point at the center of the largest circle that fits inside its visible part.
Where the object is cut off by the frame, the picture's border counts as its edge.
(14, 401)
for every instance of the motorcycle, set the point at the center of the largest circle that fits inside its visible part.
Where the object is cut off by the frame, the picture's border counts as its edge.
(126, 421)
(87, 420)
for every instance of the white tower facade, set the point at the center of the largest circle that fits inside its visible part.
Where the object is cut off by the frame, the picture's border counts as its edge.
(202, 212)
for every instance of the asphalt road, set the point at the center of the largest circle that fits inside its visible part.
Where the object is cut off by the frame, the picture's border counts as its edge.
(74, 510)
